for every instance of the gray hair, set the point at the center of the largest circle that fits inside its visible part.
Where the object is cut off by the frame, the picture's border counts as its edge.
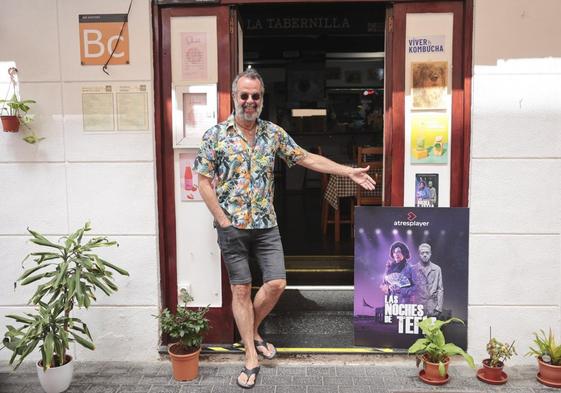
(250, 73)
(425, 245)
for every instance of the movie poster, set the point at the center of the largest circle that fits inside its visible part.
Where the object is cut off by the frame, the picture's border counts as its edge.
(426, 190)
(410, 264)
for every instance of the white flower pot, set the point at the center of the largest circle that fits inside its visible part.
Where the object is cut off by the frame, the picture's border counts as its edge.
(56, 379)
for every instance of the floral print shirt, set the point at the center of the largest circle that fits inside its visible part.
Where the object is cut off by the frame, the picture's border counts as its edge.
(244, 175)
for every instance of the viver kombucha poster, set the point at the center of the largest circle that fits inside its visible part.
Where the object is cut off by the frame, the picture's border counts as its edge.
(189, 182)
(410, 264)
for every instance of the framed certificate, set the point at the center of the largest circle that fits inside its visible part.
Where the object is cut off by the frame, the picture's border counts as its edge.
(195, 109)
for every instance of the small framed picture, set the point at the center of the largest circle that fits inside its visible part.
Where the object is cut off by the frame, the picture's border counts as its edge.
(195, 110)
(426, 190)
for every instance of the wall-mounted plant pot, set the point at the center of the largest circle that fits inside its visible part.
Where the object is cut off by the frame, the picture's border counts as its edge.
(492, 375)
(10, 123)
(548, 374)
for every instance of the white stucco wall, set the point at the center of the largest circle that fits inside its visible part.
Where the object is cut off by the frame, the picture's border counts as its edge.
(73, 176)
(515, 188)
(515, 253)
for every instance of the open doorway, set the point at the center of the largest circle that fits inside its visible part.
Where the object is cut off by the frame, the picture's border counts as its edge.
(323, 67)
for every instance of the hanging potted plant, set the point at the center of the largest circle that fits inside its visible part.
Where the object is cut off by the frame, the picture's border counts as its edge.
(188, 327)
(14, 113)
(434, 352)
(492, 371)
(68, 274)
(548, 353)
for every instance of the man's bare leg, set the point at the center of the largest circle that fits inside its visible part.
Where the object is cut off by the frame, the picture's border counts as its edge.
(242, 309)
(264, 301)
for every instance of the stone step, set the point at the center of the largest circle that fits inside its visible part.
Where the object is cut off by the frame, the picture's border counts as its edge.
(320, 269)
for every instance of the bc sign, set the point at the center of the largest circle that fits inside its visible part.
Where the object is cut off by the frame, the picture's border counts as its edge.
(99, 35)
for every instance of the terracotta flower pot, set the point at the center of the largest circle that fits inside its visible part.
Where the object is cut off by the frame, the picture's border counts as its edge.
(10, 123)
(431, 375)
(548, 374)
(492, 375)
(185, 367)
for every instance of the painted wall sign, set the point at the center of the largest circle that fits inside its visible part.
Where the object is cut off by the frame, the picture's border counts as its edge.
(410, 264)
(294, 18)
(428, 44)
(99, 34)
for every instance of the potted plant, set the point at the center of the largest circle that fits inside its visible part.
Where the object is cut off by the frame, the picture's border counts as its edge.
(187, 326)
(548, 353)
(68, 274)
(492, 371)
(434, 352)
(14, 112)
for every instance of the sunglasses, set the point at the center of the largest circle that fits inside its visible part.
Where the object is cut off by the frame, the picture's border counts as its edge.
(254, 96)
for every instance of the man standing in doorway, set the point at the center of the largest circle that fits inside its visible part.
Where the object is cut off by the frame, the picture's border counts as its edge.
(240, 154)
(430, 291)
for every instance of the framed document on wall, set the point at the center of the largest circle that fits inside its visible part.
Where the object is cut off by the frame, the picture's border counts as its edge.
(194, 112)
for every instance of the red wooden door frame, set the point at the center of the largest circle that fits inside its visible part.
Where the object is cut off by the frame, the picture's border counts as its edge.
(461, 98)
(221, 320)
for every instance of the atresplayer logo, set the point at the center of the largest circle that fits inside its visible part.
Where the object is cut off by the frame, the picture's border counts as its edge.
(411, 221)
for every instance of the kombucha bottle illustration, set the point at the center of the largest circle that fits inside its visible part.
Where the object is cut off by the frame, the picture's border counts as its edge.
(188, 178)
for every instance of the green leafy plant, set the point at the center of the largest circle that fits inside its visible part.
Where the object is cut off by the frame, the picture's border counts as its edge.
(49, 328)
(16, 107)
(498, 351)
(548, 349)
(186, 325)
(68, 274)
(434, 348)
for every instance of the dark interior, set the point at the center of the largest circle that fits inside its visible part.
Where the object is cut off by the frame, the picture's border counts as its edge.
(328, 58)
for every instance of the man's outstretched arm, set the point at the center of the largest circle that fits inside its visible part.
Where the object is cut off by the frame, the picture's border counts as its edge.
(321, 164)
(209, 196)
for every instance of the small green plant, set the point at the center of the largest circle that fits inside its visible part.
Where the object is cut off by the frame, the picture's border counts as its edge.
(434, 348)
(186, 325)
(69, 274)
(15, 107)
(499, 352)
(548, 349)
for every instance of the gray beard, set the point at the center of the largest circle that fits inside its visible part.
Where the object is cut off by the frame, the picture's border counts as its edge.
(241, 114)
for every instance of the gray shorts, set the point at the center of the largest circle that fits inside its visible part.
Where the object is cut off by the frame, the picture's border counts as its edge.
(239, 245)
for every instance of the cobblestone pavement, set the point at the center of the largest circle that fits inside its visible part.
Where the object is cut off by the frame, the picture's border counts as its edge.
(278, 376)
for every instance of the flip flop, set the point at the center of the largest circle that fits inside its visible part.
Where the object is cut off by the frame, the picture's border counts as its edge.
(249, 373)
(264, 344)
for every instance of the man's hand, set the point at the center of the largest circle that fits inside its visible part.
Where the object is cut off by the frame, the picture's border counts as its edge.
(224, 223)
(361, 177)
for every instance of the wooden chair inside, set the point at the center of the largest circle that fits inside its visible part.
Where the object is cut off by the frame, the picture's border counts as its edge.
(332, 216)
(373, 157)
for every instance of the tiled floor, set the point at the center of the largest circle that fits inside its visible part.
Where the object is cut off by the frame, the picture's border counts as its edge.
(278, 376)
